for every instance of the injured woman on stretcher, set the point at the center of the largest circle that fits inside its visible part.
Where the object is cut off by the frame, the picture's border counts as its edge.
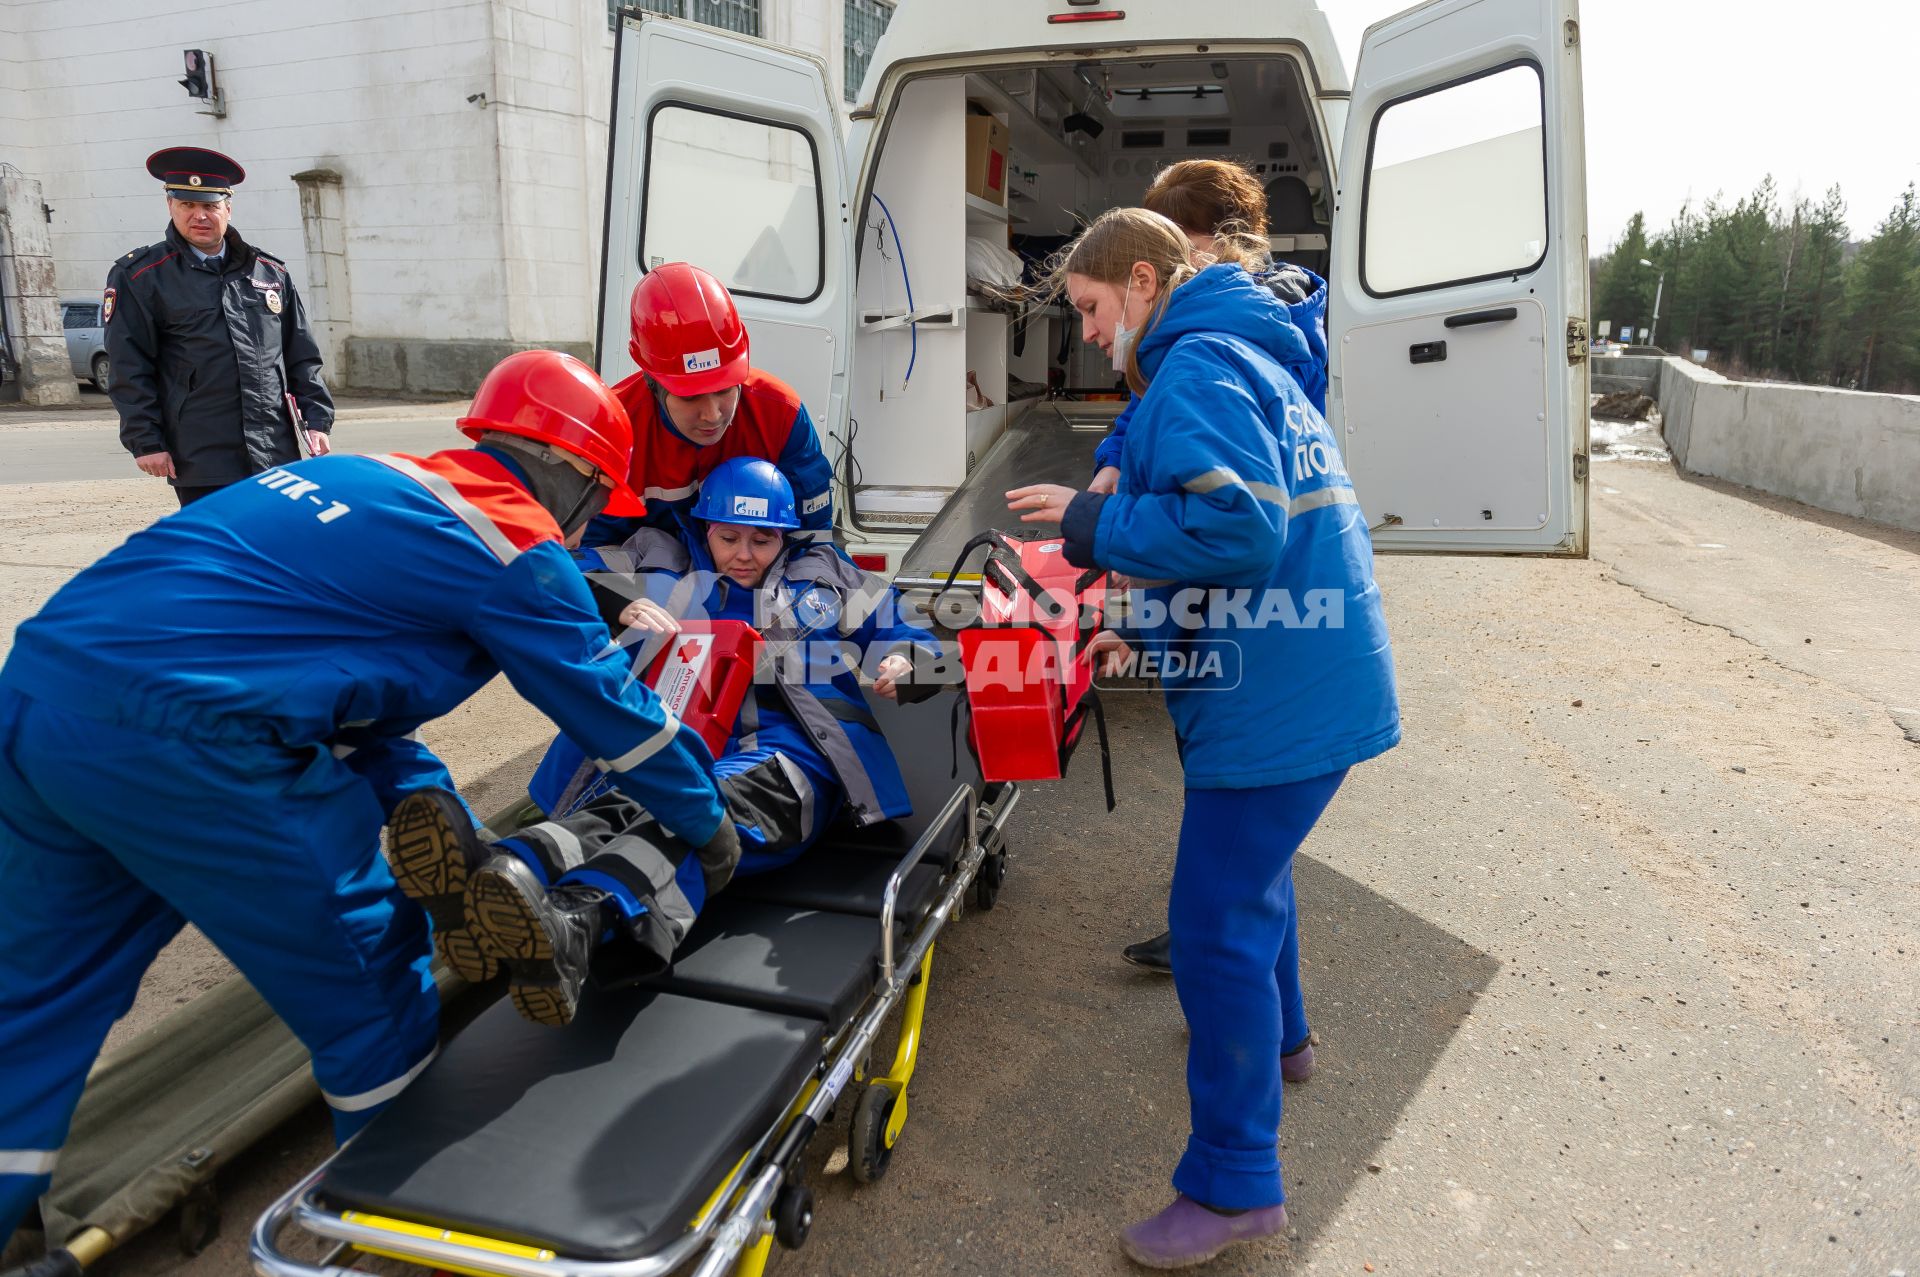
(599, 888)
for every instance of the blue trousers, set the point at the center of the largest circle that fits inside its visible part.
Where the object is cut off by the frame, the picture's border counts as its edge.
(1236, 967)
(111, 839)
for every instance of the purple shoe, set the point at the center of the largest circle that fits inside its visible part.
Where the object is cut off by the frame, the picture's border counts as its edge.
(1297, 1066)
(1187, 1233)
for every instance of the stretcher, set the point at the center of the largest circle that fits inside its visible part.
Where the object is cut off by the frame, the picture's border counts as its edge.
(666, 1129)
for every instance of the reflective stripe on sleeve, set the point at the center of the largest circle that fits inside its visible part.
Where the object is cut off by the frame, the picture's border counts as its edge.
(643, 751)
(379, 1094)
(1224, 477)
(28, 1161)
(1317, 500)
(670, 494)
(449, 496)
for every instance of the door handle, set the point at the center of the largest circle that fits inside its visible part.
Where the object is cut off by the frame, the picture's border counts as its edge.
(1496, 316)
(1427, 352)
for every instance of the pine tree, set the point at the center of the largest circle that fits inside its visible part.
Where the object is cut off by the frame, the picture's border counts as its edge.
(1883, 309)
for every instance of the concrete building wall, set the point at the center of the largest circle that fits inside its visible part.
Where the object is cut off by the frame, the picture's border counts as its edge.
(1841, 450)
(468, 138)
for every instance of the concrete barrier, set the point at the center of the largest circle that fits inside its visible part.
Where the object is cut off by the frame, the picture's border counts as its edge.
(1841, 450)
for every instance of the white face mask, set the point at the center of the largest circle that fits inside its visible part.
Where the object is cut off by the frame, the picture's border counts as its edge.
(1123, 336)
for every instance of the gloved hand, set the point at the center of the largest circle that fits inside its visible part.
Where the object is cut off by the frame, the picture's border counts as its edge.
(720, 855)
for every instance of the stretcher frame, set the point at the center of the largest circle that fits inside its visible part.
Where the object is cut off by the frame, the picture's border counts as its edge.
(734, 1230)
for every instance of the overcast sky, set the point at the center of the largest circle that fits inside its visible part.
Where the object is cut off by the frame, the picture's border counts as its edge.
(1692, 97)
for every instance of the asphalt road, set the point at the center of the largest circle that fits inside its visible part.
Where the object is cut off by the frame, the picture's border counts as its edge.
(1612, 963)
(90, 450)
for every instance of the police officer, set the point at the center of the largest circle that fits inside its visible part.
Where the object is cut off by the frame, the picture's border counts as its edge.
(190, 732)
(214, 369)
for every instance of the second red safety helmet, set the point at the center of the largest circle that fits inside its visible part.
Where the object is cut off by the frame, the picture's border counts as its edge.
(558, 400)
(687, 335)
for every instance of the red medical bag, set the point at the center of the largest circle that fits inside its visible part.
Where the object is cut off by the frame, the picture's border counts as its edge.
(1029, 677)
(703, 674)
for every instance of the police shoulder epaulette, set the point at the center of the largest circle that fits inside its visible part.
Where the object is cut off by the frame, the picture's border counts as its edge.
(261, 252)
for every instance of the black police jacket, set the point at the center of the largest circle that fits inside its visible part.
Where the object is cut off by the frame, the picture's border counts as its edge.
(203, 360)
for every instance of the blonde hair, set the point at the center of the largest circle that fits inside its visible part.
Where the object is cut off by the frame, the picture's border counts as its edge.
(1107, 251)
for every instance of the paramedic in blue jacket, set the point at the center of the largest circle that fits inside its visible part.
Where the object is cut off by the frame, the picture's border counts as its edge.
(1231, 496)
(591, 887)
(211, 723)
(1221, 208)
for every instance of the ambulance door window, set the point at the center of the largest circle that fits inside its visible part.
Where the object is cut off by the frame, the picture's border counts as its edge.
(736, 196)
(1456, 186)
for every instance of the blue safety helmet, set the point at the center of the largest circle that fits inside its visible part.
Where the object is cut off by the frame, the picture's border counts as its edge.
(748, 490)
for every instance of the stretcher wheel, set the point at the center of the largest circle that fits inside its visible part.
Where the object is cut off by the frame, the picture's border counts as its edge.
(986, 883)
(867, 1151)
(793, 1216)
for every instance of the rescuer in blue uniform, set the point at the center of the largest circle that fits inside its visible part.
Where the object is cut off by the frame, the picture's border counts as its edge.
(211, 723)
(593, 881)
(1233, 497)
(1221, 207)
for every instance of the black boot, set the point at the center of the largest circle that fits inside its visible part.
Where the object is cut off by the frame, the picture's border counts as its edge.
(433, 849)
(544, 937)
(1152, 955)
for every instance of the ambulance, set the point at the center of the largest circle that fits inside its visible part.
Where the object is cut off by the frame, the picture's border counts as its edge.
(1441, 194)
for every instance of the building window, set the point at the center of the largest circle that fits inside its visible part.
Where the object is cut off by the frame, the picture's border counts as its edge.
(866, 20)
(729, 15)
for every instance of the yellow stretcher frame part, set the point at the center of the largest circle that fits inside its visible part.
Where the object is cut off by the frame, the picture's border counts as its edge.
(406, 1229)
(906, 1056)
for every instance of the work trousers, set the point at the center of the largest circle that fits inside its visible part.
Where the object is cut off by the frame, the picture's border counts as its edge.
(111, 839)
(1236, 968)
(778, 805)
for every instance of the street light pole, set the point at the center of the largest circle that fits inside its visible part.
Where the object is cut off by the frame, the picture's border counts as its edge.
(1658, 286)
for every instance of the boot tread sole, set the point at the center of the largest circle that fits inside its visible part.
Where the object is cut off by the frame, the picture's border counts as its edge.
(507, 925)
(429, 866)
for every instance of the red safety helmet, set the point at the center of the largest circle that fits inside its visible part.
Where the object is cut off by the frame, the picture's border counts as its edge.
(557, 400)
(686, 334)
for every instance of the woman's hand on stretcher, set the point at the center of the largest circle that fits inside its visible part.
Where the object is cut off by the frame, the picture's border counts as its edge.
(645, 614)
(886, 679)
(1110, 653)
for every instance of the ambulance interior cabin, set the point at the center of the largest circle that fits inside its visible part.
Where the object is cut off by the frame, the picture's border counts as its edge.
(978, 179)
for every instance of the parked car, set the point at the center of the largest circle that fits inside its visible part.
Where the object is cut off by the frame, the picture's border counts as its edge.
(86, 340)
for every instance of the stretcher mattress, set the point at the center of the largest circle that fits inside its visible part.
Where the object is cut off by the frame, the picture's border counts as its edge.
(923, 740)
(599, 1141)
(778, 958)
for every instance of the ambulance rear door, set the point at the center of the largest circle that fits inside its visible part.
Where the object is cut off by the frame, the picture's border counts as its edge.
(1458, 323)
(725, 152)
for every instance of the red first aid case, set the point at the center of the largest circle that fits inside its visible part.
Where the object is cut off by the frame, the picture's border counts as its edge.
(1029, 678)
(703, 674)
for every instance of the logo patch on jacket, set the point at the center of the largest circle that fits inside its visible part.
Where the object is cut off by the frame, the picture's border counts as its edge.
(106, 307)
(750, 507)
(273, 300)
(703, 360)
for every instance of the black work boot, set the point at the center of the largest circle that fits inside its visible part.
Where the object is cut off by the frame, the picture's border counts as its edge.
(544, 937)
(1152, 955)
(432, 849)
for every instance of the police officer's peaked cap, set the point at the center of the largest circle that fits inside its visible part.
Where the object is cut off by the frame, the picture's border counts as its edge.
(195, 173)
